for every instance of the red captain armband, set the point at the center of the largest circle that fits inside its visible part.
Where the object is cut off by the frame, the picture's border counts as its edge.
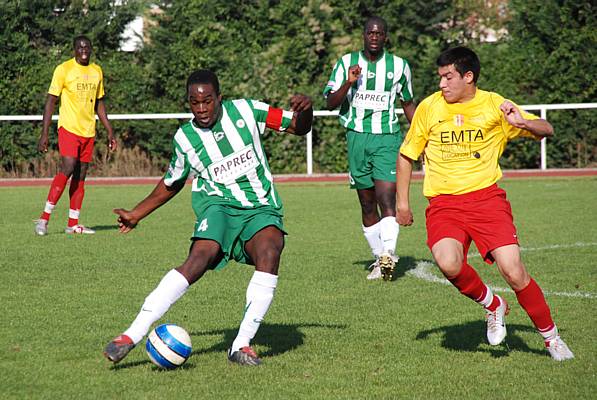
(274, 118)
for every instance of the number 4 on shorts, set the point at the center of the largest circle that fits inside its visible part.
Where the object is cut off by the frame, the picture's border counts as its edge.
(202, 226)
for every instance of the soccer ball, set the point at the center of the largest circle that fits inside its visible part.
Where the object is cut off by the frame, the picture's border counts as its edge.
(168, 346)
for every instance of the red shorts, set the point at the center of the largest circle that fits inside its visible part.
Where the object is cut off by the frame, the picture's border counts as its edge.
(483, 216)
(71, 145)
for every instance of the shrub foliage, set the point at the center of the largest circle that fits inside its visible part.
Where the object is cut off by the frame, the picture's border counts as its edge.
(269, 50)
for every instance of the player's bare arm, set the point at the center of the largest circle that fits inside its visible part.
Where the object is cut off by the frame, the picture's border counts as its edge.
(302, 119)
(404, 167)
(538, 127)
(103, 117)
(336, 98)
(161, 194)
(409, 108)
(42, 144)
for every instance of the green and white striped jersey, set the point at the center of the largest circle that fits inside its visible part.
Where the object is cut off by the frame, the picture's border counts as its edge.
(228, 162)
(369, 103)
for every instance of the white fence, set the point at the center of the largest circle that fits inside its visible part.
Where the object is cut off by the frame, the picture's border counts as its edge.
(542, 108)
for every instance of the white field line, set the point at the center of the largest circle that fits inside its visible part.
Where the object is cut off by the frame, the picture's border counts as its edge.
(422, 271)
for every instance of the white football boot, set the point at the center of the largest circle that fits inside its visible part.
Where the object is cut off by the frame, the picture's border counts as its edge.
(387, 262)
(496, 323)
(558, 349)
(41, 227)
(79, 230)
(375, 271)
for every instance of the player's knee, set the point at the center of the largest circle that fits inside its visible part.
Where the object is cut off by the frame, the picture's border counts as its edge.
(516, 276)
(387, 204)
(197, 263)
(449, 263)
(369, 208)
(269, 255)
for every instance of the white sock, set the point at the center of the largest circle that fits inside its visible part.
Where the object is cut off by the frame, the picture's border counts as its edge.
(488, 299)
(550, 335)
(49, 207)
(260, 294)
(388, 232)
(372, 235)
(171, 287)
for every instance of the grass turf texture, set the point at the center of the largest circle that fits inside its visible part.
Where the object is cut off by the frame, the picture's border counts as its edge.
(329, 333)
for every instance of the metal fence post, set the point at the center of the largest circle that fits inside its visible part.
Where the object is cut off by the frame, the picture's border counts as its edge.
(544, 142)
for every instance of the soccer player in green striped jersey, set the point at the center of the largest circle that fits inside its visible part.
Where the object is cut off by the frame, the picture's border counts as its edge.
(365, 85)
(238, 211)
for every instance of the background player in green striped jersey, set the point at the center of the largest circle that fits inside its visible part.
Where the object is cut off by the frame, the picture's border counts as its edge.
(365, 85)
(239, 213)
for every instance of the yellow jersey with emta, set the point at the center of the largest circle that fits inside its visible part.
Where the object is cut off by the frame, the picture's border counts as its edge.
(462, 142)
(79, 86)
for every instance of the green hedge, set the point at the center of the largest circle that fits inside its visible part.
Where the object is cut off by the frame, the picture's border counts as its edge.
(269, 50)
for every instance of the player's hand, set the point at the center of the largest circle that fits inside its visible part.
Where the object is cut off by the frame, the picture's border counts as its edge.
(512, 114)
(42, 144)
(300, 102)
(354, 71)
(404, 216)
(112, 144)
(126, 220)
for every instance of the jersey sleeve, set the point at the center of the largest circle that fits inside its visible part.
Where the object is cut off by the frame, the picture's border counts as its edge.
(57, 83)
(100, 87)
(267, 116)
(179, 168)
(405, 89)
(418, 134)
(337, 78)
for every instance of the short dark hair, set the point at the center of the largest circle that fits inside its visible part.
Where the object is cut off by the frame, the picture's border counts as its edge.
(464, 60)
(81, 37)
(204, 76)
(378, 20)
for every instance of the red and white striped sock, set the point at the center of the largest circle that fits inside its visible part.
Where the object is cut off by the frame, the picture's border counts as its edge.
(531, 298)
(56, 189)
(469, 283)
(76, 192)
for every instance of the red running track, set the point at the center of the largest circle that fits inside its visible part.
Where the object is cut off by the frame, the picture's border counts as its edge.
(525, 173)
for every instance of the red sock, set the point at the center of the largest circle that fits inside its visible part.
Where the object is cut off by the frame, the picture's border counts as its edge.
(56, 189)
(470, 284)
(532, 300)
(77, 192)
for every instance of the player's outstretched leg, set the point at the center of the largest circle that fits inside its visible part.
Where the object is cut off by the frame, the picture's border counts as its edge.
(172, 286)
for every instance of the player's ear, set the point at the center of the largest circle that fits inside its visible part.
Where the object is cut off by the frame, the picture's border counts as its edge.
(469, 77)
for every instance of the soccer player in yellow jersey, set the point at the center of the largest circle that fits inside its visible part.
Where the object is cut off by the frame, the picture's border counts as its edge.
(80, 86)
(462, 132)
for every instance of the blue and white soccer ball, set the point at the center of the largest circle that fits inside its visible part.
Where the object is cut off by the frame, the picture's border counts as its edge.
(168, 346)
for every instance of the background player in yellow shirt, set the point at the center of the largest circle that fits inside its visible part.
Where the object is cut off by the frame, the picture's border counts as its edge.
(80, 86)
(462, 132)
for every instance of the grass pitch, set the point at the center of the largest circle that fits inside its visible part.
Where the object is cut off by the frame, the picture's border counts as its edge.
(329, 334)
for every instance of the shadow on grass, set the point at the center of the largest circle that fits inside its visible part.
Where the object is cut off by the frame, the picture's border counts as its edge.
(105, 227)
(472, 337)
(279, 338)
(405, 263)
